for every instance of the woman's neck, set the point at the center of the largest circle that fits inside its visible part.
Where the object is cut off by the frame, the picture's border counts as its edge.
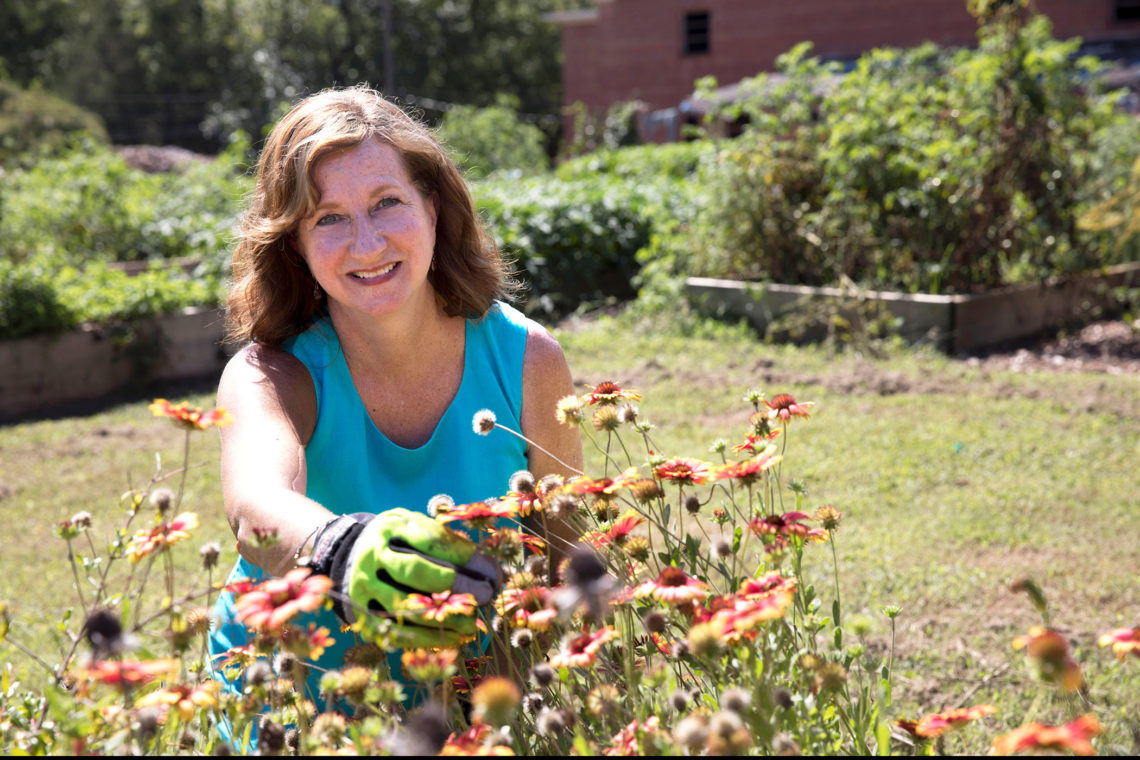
(402, 341)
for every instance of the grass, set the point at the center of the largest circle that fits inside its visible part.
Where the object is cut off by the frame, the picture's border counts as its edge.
(953, 480)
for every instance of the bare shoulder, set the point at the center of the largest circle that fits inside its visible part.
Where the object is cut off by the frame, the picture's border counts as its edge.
(543, 354)
(546, 380)
(260, 382)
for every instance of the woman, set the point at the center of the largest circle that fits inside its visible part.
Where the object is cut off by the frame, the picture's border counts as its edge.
(369, 298)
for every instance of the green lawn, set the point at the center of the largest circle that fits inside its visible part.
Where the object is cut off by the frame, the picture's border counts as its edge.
(953, 481)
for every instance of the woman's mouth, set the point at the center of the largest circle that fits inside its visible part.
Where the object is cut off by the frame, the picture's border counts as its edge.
(370, 274)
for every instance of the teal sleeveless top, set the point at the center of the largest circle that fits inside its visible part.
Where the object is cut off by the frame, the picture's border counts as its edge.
(353, 467)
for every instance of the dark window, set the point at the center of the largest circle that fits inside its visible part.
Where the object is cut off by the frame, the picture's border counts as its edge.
(696, 40)
(1126, 10)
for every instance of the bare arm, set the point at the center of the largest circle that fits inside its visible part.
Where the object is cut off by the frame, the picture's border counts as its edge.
(271, 397)
(546, 379)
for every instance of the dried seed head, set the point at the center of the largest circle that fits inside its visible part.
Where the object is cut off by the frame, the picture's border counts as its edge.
(148, 718)
(785, 746)
(104, 632)
(354, 682)
(439, 503)
(563, 505)
(646, 490)
(537, 565)
(522, 638)
(585, 568)
(735, 700)
(522, 482)
(705, 639)
(692, 504)
(162, 499)
(830, 677)
(483, 422)
(628, 414)
(602, 699)
(198, 621)
(541, 675)
(425, 731)
(81, 520)
(550, 722)
(723, 547)
(679, 700)
(271, 736)
(783, 698)
(549, 483)
(210, 552)
(365, 655)
(533, 702)
(521, 580)
(653, 621)
(495, 700)
(828, 516)
(258, 672)
(329, 728)
(569, 411)
(691, 732)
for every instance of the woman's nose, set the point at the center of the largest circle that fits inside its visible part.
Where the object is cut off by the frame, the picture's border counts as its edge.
(369, 237)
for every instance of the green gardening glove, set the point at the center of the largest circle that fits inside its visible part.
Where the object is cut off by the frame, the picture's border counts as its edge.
(375, 562)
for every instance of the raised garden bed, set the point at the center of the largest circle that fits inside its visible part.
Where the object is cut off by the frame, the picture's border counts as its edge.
(39, 372)
(956, 324)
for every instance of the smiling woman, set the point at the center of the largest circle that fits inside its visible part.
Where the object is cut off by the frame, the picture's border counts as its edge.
(370, 300)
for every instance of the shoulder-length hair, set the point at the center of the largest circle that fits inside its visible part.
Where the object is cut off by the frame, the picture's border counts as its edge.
(273, 295)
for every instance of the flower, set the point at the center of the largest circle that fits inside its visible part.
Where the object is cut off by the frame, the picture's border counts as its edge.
(495, 700)
(474, 741)
(183, 698)
(750, 470)
(936, 724)
(164, 534)
(582, 651)
(1074, 736)
(755, 442)
(783, 407)
(1048, 651)
(127, 672)
(526, 607)
(271, 603)
(479, 513)
(583, 485)
(309, 642)
(673, 586)
(483, 422)
(626, 742)
(787, 524)
(828, 516)
(191, 419)
(522, 503)
(426, 665)
(617, 533)
(569, 411)
(684, 470)
(608, 392)
(441, 606)
(1124, 641)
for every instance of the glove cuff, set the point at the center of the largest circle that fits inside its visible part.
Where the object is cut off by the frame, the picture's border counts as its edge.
(330, 556)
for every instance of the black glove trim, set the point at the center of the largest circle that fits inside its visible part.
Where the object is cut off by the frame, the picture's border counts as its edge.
(331, 553)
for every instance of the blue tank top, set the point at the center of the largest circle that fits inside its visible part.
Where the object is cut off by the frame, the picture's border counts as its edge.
(353, 467)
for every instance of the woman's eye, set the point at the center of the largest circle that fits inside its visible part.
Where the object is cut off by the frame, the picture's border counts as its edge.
(328, 219)
(388, 202)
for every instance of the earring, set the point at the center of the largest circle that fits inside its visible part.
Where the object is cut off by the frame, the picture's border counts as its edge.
(317, 292)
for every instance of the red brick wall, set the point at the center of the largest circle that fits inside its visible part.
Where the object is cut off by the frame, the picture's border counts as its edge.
(633, 48)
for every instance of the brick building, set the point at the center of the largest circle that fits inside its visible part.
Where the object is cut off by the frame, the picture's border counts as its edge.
(654, 50)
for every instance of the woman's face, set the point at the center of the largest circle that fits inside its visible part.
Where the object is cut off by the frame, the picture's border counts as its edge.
(369, 241)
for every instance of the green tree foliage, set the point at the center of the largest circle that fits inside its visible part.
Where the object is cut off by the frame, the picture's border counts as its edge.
(190, 72)
(39, 122)
(485, 140)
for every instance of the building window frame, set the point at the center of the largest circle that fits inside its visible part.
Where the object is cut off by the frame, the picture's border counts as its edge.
(1125, 11)
(696, 33)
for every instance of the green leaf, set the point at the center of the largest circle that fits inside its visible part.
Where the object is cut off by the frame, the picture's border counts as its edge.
(737, 535)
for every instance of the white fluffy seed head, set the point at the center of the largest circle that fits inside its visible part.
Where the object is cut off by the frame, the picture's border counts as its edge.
(483, 422)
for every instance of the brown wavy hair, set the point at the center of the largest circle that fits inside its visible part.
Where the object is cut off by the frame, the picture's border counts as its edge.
(272, 295)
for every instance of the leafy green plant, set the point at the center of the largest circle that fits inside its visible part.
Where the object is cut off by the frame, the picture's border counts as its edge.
(486, 140)
(34, 122)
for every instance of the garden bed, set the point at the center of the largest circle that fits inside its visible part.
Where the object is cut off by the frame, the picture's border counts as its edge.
(957, 324)
(43, 371)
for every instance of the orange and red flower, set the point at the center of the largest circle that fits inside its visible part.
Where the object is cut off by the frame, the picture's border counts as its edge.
(1075, 737)
(165, 534)
(585, 485)
(473, 741)
(783, 408)
(616, 533)
(756, 442)
(627, 742)
(479, 513)
(441, 606)
(787, 524)
(427, 665)
(527, 607)
(1124, 641)
(309, 642)
(750, 470)
(936, 724)
(608, 392)
(191, 419)
(185, 699)
(674, 587)
(684, 471)
(127, 672)
(273, 602)
(582, 651)
(1048, 651)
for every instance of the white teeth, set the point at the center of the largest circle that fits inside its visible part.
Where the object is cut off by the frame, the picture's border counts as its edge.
(373, 272)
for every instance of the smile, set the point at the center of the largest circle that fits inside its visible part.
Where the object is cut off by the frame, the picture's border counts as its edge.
(371, 273)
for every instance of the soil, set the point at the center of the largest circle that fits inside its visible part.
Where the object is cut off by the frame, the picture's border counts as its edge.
(159, 158)
(1111, 346)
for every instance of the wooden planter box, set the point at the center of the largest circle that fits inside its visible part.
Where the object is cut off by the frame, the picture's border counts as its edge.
(955, 324)
(39, 372)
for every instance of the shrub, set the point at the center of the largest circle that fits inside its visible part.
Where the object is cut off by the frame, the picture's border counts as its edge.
(486, 140)
(925, 170)
(574, 243)
(34, 121)
(87, 204)
(642, 162)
